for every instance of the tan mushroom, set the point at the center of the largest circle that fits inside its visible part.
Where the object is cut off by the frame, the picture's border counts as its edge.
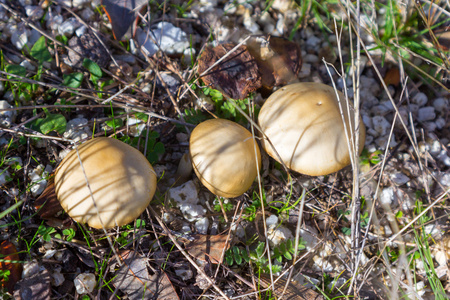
(224, 156)
(303, 121)
(121, 179)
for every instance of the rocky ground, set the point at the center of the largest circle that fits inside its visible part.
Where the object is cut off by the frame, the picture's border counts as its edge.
(147, 91)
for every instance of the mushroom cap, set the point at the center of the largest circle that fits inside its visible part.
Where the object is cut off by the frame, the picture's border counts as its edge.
(304, 124)
(223, 157)
(120, 177)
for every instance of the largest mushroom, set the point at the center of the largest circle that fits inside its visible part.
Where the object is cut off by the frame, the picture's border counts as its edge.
(310, 127)
(105, 183)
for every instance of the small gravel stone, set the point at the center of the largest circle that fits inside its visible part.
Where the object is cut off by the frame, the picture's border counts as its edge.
(399, 178)
(4, 176)
(420, 99)
(278, 235)
(19, 38)
(381, 125)
(171, 40)
(84, 283)
(6, 116)
(28, 65)
(440, 104)
(34, 12)
(387, 196)
(184, 274)
(68, 27)
(426, 114)
(202, 225)
(445, 179)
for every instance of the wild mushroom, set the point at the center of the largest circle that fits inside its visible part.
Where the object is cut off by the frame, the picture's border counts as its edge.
(303, 122)
(121, 180)
(224, 156)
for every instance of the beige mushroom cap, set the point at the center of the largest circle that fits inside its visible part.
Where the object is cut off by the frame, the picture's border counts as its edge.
(223, 157)
(304, 124)
(121, 179)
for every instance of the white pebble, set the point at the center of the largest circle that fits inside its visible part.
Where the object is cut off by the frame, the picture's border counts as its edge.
(171, 39)
(445, 179)
(68, 27)
(57, 278)
(28, 65)
(184, 194)
(8, 116)
(433, 230)
(272, 221)
(440, 123)
(34, 12)
(184, 274)
(381, 125)
(305, 71)
(85, 283)
(77, 129)
(440, 104)
(420, 99)
(426, 113)
(399, 178)
(202, 225)
(387, 196)
(19, 38)
(307, 234)
(278, 235)
(4, 176)
(322, 265)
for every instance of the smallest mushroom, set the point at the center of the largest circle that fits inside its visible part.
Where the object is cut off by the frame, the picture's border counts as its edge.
(225, 157)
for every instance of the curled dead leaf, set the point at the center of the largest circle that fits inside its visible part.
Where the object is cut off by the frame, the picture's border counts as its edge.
(208, 247)
(279, 60)
(236, 75)
(9, 261)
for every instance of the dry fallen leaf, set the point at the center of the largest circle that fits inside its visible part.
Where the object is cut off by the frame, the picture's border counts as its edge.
(236, 76)
(279, 60)
(134, 280)
(207, 247)
(392, 76)
(122, 15)
(36, 287)
(8, 253)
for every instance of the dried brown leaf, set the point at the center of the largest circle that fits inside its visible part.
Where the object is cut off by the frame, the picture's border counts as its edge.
(36, 287)
(122, 15)
(134, 279)
(8, 253)
(236, 76)
(279, 60)
(207, 247)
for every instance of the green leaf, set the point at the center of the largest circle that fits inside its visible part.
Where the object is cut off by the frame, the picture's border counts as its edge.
(16, 70)
(237, 256)
(40, 51)
(260, 249)
(69, 233)
(55, 122)
(114, 123)
(93, 68)
(288, 255)
(140, 223)
(73, 80)
(229, 259)
(346, 230)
